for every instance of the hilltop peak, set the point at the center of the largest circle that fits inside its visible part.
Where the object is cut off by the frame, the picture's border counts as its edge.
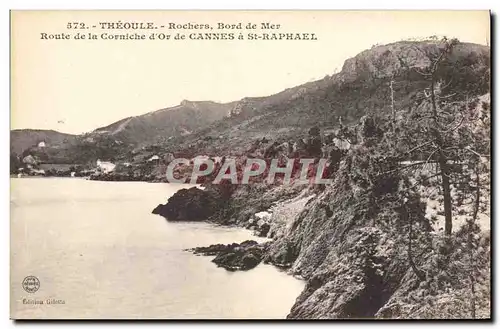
(389, 60)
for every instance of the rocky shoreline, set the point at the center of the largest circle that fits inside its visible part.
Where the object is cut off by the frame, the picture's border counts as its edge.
(402, 230)
(337, 238)
(236, 256)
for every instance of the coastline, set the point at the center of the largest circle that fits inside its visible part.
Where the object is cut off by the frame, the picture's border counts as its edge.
(337, 241)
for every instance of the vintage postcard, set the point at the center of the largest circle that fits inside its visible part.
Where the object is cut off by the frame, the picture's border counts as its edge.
(250, 165)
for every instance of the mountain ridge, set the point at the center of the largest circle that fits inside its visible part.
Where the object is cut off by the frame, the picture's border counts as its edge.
(360, 87)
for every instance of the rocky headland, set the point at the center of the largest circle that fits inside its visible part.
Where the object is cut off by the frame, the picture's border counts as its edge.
(403, 229)
(236, 256)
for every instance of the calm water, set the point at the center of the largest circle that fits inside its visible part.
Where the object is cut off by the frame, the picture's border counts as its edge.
(97, 246)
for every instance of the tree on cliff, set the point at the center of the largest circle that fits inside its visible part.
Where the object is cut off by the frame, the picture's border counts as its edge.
(449, 132)
(450, 269)
(440, 145)
(471, 198)
(436, 126)
(314, 143)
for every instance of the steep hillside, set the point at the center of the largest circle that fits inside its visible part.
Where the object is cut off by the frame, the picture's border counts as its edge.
(22, 139)
(403, 229)
(362, 87)
(376, 80)
(159, 125)
(119, 138)
(192, 116)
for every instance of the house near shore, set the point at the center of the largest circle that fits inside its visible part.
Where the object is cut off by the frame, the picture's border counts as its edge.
(42, 144)
(105, 166)
(154, 158)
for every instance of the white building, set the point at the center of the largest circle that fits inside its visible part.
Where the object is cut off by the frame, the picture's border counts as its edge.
(105, 166)
(41, 144)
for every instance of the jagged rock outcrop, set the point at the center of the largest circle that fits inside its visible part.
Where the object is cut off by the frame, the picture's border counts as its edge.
(348, 242)
(195, 204)
(235, 256)
(339, 244)
(390, 60)
(191, 204)
(260, 222)
(248, 200)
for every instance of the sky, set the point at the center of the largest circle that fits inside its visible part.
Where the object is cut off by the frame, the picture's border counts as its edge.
(76, 86)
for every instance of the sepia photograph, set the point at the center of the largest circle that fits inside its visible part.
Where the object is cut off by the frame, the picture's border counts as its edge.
(250, 165)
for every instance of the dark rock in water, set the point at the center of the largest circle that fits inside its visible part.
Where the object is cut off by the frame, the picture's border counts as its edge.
(216, 249)
(158, 209)
(228, 260)
(250, 261)
(234, 257)
(189, 205)
(264, 229)
(195, 204)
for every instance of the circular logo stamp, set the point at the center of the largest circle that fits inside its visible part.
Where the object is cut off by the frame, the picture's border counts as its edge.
(31, 284)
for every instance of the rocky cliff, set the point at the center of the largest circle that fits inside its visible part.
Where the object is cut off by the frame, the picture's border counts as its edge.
(366, 244)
